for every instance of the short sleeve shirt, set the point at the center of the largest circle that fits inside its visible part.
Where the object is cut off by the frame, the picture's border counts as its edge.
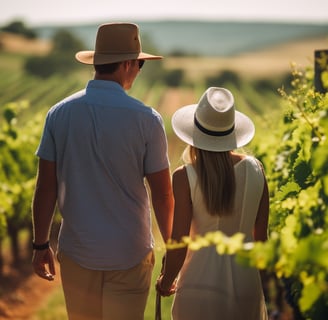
(104, 142)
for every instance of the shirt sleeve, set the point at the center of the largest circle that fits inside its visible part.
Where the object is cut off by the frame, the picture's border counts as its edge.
(47, 148)
(156, 157)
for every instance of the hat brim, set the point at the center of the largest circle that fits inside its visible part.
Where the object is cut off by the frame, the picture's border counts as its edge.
(90, 57)
(184, 127)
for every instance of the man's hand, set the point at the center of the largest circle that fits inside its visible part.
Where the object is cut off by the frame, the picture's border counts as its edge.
(41, 259)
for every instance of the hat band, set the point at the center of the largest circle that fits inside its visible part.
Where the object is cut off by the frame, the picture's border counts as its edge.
(213, 133)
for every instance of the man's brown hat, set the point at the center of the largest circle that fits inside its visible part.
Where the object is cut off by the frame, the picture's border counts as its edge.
(115, 42)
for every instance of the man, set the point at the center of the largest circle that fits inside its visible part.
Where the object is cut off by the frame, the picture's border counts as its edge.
(97, 147)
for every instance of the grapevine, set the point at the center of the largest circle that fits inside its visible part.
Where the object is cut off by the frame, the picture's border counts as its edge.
(296, 163)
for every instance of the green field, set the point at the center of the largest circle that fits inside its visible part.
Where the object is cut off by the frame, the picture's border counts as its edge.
(16, 86)
(290, 141)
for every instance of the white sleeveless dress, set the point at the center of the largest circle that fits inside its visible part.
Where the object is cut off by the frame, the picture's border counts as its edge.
(213, 286)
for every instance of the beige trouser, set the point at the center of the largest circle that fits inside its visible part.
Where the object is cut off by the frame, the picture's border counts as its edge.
(105, 295)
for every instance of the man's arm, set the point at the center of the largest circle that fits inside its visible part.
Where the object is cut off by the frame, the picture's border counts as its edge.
(162, 200)
(43, 208)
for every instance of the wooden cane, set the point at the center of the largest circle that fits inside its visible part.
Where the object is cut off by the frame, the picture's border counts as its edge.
(158, 311)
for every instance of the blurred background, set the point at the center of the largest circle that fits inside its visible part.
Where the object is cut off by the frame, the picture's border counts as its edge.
(251, 47)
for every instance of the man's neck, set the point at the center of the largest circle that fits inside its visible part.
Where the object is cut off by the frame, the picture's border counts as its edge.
(108, 77)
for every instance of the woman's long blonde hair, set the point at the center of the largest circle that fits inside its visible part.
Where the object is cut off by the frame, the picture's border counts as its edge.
(216, 178)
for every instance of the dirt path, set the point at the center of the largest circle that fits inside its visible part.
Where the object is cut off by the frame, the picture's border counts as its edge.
(22, 293)
(175, 98)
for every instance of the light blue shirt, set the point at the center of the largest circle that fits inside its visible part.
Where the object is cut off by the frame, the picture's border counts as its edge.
(104, 142)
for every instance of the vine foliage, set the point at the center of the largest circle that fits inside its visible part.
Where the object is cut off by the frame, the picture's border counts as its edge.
(297, 171)
(17, 173)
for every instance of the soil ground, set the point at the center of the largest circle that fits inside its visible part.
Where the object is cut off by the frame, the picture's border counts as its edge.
(22, 293)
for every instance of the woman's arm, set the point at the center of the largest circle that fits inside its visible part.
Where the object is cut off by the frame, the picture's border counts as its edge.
(181, 227)
(261, 223)
(162, 200)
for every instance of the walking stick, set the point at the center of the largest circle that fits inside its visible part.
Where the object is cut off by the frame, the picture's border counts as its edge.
(158, 311)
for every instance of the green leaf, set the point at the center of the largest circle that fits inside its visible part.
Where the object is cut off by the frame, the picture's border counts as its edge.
(324, 79)
(289, 189)
(310, 293)
(302, 173)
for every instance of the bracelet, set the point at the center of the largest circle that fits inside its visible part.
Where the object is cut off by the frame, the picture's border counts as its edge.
(40, 246)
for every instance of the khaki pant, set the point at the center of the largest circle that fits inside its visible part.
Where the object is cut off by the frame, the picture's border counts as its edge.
(105, 295)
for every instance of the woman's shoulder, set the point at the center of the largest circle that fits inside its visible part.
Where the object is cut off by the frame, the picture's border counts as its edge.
(180, 177)
(238, 158)
(179, 172)
(246, 160)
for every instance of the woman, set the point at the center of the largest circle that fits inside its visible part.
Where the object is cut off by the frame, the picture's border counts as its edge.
(217, 189)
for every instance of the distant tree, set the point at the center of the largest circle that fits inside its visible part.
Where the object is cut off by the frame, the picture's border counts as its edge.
(173, 78)
(178, 53)
(151, 71)
(18, 27)
(60, 60)
(47, 66)
(65, 42)
(222, 78)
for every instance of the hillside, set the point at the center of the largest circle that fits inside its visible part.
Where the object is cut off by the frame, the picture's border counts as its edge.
(203, 38)
(270, 61)
(22, 294)
(13, 43)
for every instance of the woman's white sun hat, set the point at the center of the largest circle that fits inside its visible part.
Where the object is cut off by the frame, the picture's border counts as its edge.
(213, 124)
